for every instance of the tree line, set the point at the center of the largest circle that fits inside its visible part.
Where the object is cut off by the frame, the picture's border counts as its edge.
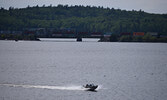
(82, 18)
(130, 38)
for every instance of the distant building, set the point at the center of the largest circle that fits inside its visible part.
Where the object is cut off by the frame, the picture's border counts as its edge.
(65, 32)
(56, 33)
(138, 33)
(96, 34)
(106, 37)
(30, 30)
(163, 36)
(16, 32)
(5, 32)
(125, 34)
(155, 34)
(84, 34)
(107, 34)
(68, 32)
(10, 32)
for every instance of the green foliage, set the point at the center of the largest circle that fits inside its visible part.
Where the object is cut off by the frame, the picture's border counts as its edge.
(82, 19)
(18, 37)
(145, 38)
(114, 38)
(164, 39)
(125, 39)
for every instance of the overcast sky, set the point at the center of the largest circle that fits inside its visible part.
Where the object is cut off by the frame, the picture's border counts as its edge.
(151, 6)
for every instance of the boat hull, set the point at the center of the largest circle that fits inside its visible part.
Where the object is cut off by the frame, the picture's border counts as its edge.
(91, 88)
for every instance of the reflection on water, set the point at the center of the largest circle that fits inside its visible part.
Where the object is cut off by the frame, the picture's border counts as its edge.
(68, 39)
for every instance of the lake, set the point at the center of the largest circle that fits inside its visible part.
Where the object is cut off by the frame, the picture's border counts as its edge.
(56, 70)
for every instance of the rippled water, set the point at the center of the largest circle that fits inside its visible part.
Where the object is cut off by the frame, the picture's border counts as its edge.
(56, 70)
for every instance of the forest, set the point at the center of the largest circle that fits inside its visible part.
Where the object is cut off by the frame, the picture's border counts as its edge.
(82, 18)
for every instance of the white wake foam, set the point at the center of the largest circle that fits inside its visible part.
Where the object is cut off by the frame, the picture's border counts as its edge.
(46, 87)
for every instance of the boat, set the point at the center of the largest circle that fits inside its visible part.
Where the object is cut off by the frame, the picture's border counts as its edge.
(90, 87)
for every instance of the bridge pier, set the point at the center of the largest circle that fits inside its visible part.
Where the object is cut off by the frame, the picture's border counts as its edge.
(79, 39)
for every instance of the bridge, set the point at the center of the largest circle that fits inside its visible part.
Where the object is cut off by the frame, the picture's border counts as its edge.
(63, 33)
(77, 35)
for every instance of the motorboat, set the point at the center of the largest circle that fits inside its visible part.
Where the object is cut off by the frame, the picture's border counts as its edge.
(90, 87)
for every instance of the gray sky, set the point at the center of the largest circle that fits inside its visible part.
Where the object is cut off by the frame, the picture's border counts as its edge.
(151, 6)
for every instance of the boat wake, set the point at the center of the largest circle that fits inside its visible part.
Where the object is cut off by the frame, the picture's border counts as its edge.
(74, 87)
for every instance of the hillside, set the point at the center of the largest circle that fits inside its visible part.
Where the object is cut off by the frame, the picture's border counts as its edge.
(81, 18)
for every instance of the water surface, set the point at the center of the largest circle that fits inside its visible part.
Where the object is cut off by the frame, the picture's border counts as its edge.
(44, 70)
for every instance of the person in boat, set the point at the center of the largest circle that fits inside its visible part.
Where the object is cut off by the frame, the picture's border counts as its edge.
(89, 85)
